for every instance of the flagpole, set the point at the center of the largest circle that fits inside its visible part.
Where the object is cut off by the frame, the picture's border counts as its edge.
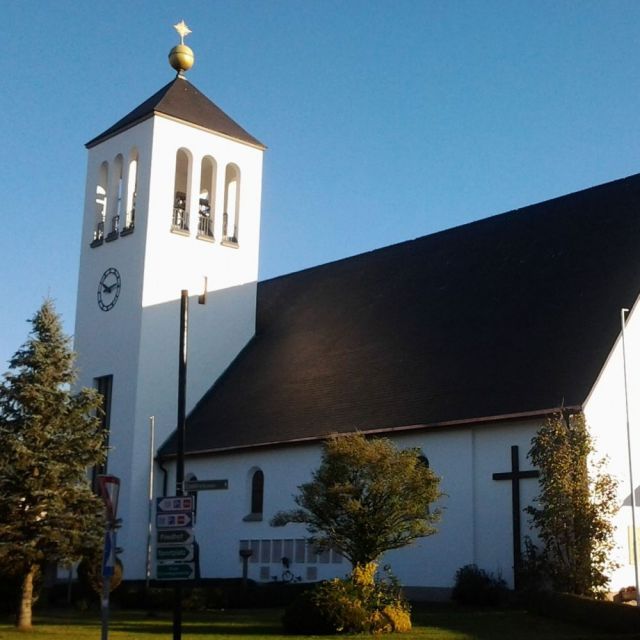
(152, 421)
(634, 536)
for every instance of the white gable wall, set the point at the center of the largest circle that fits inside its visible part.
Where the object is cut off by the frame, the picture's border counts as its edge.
(607, 419)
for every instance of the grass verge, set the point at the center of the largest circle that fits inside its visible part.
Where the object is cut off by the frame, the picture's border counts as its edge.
(431, 622)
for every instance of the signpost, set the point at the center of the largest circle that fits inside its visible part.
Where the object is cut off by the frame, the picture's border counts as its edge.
(174, 520)
(176, 571)
(175, 552)
(174, 543)
(175, 504)
(205, 485)
(174, 536)
(108, 489)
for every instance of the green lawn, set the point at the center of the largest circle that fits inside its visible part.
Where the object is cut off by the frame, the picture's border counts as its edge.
(430, 623)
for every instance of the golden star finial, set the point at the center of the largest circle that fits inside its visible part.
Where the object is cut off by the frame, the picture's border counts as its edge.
(182, 30)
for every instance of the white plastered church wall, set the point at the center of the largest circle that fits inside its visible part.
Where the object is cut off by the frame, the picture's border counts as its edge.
(476, 523)
(605, 411)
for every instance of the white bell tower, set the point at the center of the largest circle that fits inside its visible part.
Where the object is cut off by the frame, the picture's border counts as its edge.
(172, 202)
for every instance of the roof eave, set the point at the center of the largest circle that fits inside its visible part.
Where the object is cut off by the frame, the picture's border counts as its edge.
(111, 134)
(381, 431)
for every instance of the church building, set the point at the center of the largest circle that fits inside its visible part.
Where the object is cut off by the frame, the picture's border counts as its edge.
(460, 343)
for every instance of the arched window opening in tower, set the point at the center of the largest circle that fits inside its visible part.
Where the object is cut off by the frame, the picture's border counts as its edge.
(100, 204)
(206, 205)
(132, 192)
(231, 215)
(180, 218)
(117, 189)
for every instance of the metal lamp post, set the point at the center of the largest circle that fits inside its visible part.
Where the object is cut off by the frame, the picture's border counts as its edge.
(182, 413)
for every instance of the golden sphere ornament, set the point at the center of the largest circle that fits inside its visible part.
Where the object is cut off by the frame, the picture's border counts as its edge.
(181, 58)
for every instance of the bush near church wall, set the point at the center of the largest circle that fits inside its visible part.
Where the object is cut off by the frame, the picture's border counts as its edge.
(475, 586)
(600, 614)
(359, 603)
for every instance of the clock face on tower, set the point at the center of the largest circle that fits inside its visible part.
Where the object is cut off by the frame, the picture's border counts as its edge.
(109, 289)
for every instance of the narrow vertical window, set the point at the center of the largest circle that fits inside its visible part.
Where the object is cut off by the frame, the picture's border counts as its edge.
(207, 198)
(101, 205)
(231, 215)
(132, 192)
(117, 194)
(257, 492)
(256, 497)
(104, 387)
(180, 220)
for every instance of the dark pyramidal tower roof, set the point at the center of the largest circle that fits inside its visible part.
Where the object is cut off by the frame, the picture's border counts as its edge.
(506, 316)
(180, 99)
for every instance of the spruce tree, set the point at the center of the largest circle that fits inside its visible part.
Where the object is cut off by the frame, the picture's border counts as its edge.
(49, 438)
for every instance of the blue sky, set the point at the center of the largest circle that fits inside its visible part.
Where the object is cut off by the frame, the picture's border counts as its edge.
(384, 120)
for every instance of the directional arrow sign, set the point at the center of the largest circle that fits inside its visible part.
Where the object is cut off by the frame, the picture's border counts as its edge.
(173, 520)
(174, 504)
(182, 552)
(205, 485)
(174, 536)
(175, 571)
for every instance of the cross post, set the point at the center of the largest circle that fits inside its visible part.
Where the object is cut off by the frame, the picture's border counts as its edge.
(515, 475)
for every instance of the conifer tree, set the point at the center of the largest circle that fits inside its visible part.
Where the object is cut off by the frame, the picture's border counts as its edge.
(49, 438)
(573, 513)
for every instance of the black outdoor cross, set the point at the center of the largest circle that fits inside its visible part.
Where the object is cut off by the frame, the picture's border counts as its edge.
(515, 475)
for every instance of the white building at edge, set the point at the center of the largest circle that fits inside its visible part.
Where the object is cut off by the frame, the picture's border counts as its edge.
(460, 343)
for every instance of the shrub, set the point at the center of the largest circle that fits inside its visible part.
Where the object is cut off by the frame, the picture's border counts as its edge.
(359, 603)
(475, 586)
(398, 616)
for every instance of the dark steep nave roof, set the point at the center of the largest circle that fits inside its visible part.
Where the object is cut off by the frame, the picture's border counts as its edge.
(512, 314)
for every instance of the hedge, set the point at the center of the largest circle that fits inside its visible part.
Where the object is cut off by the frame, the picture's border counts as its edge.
(599, 614)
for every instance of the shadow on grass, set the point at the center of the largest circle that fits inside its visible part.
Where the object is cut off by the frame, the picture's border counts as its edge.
(259, 631)
(262, 623)
(434, 621)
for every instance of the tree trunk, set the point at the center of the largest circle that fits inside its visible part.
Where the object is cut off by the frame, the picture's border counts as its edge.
(26, 600)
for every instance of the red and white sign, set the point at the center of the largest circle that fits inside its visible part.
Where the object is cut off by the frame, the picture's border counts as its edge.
(173, 520)
(173, 504)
